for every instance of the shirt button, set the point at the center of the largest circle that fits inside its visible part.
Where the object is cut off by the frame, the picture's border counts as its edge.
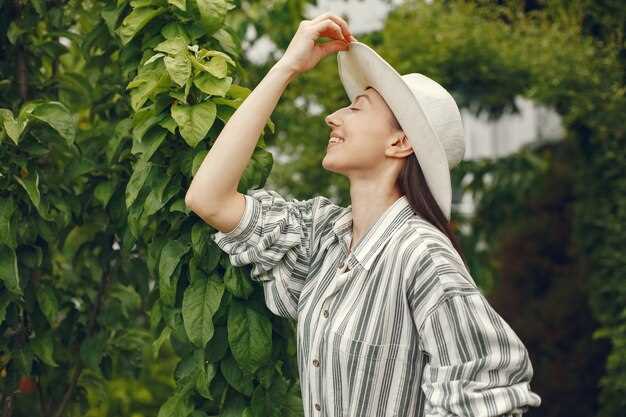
(317, 407)
(325, 313)
(316, 363)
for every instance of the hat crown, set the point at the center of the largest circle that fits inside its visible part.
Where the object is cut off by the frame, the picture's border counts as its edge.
(442, 113)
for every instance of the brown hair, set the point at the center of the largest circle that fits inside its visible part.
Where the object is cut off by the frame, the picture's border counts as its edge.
(412, 183)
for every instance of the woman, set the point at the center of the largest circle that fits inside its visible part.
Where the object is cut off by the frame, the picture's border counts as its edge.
(389, 320)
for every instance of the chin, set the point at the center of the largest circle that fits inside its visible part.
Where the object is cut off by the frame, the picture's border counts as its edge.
(329, 165)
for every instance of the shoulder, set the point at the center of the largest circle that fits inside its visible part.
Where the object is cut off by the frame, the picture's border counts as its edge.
(430, 260)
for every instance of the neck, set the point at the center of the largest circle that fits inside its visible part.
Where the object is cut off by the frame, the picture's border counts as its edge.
(367, 206)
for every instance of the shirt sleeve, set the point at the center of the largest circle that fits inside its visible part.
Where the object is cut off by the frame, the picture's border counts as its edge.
(478, 366)
(275, 235)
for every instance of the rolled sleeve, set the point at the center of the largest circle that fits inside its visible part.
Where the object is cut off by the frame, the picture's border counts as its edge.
(478, 365)
(274, 236)
(229, 240)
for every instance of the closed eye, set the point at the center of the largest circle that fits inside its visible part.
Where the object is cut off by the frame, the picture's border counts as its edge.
(353, 108)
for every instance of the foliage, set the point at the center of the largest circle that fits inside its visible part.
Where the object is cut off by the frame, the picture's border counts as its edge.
(107, 111)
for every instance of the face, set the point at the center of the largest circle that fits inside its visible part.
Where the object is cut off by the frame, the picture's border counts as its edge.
(370, 141)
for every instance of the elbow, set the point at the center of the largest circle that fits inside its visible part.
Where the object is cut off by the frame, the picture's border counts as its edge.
(189, 200)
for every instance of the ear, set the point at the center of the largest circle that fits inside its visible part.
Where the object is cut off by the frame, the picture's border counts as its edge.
(403, 145)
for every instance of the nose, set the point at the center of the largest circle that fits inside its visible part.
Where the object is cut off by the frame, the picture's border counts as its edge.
(330, 120)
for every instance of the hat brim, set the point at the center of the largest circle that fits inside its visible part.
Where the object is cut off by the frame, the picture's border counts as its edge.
(361, 67)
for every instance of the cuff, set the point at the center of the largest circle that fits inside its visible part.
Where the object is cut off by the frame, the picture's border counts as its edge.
(246, 224)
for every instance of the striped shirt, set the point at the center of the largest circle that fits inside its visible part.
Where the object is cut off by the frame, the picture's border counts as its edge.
(394, 327)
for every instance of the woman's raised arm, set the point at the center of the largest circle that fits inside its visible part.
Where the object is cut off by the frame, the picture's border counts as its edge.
(213, 194)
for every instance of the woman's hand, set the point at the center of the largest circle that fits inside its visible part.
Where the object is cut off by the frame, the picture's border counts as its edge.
(303, 53)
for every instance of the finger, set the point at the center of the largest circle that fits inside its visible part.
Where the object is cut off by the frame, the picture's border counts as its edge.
(330, 29)
(337, 19)
(332, 46)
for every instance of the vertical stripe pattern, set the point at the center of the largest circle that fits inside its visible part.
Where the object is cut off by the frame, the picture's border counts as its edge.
(396, 327)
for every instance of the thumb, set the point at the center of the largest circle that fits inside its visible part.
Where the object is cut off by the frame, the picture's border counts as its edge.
(333, 46)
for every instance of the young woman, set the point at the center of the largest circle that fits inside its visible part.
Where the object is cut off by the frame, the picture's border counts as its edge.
(389, 320)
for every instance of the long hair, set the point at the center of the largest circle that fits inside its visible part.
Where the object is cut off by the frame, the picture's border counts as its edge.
(412, 183)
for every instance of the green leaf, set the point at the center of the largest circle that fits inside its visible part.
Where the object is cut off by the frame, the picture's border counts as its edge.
(210, 84)
(141, 170)
(78, 236)
(212, 13)
(31, 185)
(155, 316)
(178, 405)
(58, 117)
(217, 66)
(200, 302)
(12, 127)
(236, 377)
(92, 349)
(181, 4)
(173, 46)
(156, 345)
(148, 83)
(7, 227)
(127, 296)
(157, 197)
(9, 273)
(43, 347)
(136, 21)
(5, 300)
(171, 255)
(149, 143)
(104, 191)
(203, 380)
(194, 121)
(205, 53)
(249, 336)
(48, 303)
(178, 67)
(237, 283)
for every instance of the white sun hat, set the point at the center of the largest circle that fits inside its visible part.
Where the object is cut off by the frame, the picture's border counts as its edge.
(426, 111)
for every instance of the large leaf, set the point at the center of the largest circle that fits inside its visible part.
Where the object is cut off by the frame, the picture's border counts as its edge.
(249, 336)
(194, 121)
(200, 302)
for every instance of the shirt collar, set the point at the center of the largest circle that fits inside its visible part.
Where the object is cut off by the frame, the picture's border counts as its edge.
(376, 236)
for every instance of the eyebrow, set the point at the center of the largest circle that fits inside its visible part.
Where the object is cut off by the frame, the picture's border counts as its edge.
(362, 95)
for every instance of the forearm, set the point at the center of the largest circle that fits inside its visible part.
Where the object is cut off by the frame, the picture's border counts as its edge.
(223, 166)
